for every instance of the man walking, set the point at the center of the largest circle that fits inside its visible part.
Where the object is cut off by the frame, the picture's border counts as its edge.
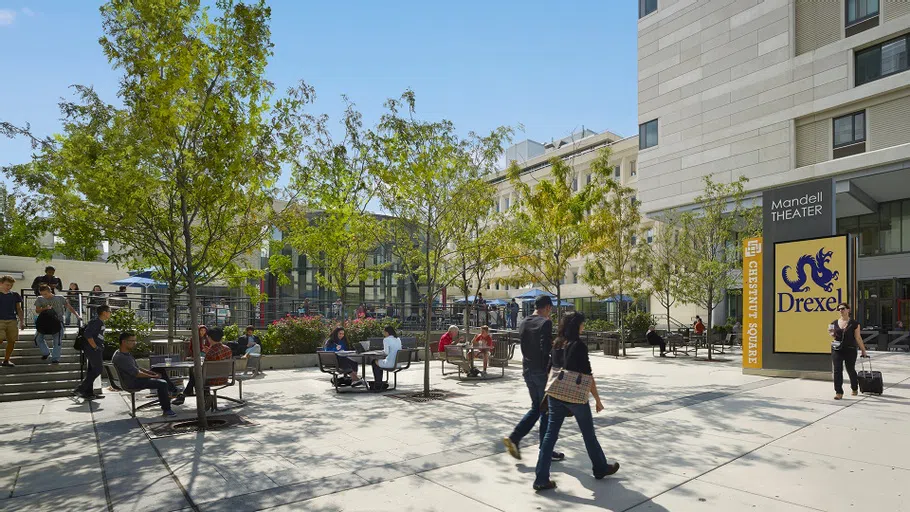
(12, 319)
(536, 334)
(93, 348)
(49, 279)
(513, 314)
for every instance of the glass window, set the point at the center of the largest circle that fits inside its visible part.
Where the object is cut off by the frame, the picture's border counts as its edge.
(847, 225)
(868, 233)
(617, 171)
(889, 236)
(497, 205)
(646, 7)
(881, 60)
(632, 170)
(859, 10)
(647, 134)
(575, 183)
(588, 180)
(507, 203)
(650, 235)
(850, 129)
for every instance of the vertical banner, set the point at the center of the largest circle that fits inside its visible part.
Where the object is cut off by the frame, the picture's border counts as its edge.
(752, 303)
(811, 279)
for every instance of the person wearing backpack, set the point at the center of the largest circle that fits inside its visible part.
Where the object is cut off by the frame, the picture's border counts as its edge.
(93, 348)
(845, 334)
(50, 309)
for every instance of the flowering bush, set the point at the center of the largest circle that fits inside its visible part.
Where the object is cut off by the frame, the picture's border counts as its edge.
(307, 334)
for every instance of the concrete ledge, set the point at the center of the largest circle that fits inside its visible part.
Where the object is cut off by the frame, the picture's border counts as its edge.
(790, 374)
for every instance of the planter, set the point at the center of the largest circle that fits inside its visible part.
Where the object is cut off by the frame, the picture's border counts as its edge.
(288, 361)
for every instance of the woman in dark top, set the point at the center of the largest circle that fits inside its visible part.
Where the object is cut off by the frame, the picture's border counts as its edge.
(575, 359)
(338, 342)
(845, 339)
(95, 300)
(72, 296)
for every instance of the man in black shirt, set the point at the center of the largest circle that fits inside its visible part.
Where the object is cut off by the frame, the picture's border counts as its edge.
(655, 339)
(536, 334)
(93, 348)
(54, 283)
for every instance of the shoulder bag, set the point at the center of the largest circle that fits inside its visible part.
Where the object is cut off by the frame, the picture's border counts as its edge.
(568, 386)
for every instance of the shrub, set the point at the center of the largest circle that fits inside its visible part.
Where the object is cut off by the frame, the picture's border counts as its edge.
(231, 332)
(360, 329)
(599, 325)
(637, 322)
(295, 335)
(123, 320)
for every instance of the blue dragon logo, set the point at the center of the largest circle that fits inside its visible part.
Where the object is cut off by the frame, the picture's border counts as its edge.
(822, 275)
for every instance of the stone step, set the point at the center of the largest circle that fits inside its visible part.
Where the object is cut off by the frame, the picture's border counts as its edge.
(18, 378)
(34, 395)
(39, 368)
(48, 385)
(30, 350)
(36, 360)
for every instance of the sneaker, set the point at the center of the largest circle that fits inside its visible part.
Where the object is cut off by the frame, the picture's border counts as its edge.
(179, 400)
(55, 362)
(557, 456)
(7, 363)
(610, 471)
(854, 393)
(512, 447)
(549, 485)
(169, 413)
(43, 358)
(359, 382)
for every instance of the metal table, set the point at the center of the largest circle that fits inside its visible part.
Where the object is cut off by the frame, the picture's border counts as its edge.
(901, 338)
(161, 347)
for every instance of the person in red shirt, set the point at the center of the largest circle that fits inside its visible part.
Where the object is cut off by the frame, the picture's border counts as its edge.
(699, 325)
(204, 341)
(448, 338)
(216, 352)
(483, 339)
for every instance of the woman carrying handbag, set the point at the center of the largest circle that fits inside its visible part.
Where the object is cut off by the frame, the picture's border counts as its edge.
(567, 393)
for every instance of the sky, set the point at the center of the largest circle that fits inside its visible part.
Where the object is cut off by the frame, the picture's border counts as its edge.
(549, 67)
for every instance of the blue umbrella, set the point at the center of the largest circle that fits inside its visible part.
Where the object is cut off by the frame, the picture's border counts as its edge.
(533, 294)
(619, 298)
(497, 302)
(143, 282)
(461, 300)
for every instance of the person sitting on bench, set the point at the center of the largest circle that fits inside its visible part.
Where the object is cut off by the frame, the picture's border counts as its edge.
(655, 339)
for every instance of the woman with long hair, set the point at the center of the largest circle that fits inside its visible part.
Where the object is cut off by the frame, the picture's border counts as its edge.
(575, 360)
(204, 341)
(337, 342)
(72, 296)
(95, 300)
(845, 339)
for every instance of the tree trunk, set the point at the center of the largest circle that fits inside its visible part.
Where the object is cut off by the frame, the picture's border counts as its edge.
(668, 319)
(194, 316)
(429, 306)
(710, 314)
(622, 322)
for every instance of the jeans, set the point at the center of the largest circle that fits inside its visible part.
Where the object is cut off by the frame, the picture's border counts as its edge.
(536, 380)
(58, 344)
(163, 386)
(558, 412)
(840, 358)
(95, 363)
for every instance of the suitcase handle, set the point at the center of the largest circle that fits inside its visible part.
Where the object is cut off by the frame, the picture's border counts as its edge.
(862, 363)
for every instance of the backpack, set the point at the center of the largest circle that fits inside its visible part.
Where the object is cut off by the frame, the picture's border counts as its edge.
(48, 322)
(80, 339)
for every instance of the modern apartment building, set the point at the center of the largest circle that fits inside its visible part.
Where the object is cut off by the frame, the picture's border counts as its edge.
(782, 92)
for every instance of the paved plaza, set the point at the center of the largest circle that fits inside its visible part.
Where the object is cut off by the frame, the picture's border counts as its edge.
(690, 435)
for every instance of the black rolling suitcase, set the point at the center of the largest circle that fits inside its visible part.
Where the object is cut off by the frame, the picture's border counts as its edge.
(870, 381)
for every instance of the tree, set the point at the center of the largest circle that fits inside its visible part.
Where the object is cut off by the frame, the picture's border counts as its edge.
(549, 224)
(183, 174)
(21, 228)
(428, 178)
(335, 230)
(617, 263)
(710, 244)
(665, 271)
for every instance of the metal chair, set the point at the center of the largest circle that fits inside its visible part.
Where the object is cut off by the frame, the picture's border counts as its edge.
(114, 378)
(402, 362)
(501, 355)
(375, 343)
(216, 370)
(455, 356)
(328, 363)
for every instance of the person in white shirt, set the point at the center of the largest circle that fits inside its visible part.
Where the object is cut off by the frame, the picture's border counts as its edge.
(391, 345)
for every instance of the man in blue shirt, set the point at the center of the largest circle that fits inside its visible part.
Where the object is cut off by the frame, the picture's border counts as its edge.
(93, 348)
(10, 312)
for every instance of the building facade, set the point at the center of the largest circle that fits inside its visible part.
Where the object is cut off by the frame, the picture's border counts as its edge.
(781, 92)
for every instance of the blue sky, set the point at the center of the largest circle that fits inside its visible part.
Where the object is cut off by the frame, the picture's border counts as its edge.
(549, 66)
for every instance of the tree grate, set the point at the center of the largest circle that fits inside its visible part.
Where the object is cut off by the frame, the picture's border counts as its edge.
(188, 426)
(420, 398)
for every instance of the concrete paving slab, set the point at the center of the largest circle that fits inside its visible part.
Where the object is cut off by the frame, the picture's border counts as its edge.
(82, 498)
(812, 480)
(868, 417)
(705, 497)
(57, 474)
(407, 494)
(851, 443)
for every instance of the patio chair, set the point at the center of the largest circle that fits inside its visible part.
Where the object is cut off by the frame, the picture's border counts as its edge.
(219, 370)
(114, 378)
(328, 363)
(455, 356)
(410, 343)
(402, 362)
(375, 343)
(501, 355)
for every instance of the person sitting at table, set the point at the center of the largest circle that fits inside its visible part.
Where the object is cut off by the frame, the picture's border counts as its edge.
(216, 352)
(133, 377)
(204, 341)
(655, 339)
(390, 345)
(239, 347)
(337, 342)
(483, 339)
(449, 337)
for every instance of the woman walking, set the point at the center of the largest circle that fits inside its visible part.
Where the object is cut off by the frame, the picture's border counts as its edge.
(845, 339)
(576, 360)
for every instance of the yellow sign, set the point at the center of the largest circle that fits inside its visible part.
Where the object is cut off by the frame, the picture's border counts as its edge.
(810, 281)
(752, 302)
